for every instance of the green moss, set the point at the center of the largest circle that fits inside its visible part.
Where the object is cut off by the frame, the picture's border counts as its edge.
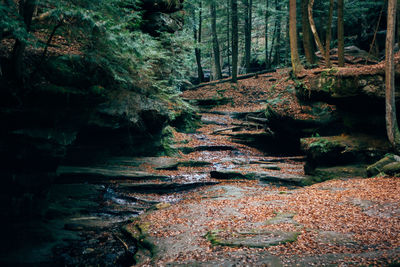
(138, 232)
(252, 239)
(167, 141)
(323, 145)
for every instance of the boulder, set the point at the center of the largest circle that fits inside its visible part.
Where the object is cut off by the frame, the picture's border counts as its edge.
(392, 168)
(76, 71)
(342, 150)
(379, 166)
(127, 109)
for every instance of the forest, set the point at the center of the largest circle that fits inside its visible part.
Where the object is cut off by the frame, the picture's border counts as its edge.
(199, 132)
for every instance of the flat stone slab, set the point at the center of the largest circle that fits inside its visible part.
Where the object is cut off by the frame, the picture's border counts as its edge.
(270, 167)
(256, 239)
(187, 150)
(160, 163)
(282, 177)
(282, 218)
(162, 187)
(104, 173)
(231, 174)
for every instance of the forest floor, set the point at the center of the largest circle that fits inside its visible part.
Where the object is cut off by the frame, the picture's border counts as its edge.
(251, 220)
(219, 201)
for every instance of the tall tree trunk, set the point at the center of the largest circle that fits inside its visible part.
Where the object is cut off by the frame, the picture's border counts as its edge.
(217, 63)
(314, 29)
(392, 127)
(287, 41)
(278, 33)
(294, 54)
(228, 38)
(26, 9)
(235, 40)
(329, 36)
(398, 22)
(340, 33)
(267, 59)
(197, 51)
(247, 33)
(307, 41)
(272, 43)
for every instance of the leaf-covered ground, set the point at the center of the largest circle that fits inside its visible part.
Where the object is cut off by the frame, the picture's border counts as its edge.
(346, 221)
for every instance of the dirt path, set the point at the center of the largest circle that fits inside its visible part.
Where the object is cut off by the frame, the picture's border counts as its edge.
(250, 220)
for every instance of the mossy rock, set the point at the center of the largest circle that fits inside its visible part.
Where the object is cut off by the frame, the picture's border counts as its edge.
(251, 239)
(342, 150)
(137, 231)
(347, 171)
(379, 166)
(76, 71)
(392, 168)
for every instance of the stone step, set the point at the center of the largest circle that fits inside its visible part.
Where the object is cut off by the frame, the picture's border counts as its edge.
(103, 173)
(162, 188)
(232, 174)
(283, 178)
(188, 150)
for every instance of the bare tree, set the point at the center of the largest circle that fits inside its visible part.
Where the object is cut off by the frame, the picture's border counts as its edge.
(293, 37)
(216, 52)
(314, 29)
(329, 35)
(340, 33)
(307, 38)
(235, 40)
(392, 127)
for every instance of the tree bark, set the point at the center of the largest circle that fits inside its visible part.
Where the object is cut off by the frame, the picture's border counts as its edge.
(278, 33)
(294, 54)
(340, 33)
(267, 59)
(391, 120)
(307, 41)
(235, 39)
(26, 9)
(197, 51)
(228, 38)
(329, 36)
(247, 33)
(216, 52)
(398, 22)
(314, 29)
